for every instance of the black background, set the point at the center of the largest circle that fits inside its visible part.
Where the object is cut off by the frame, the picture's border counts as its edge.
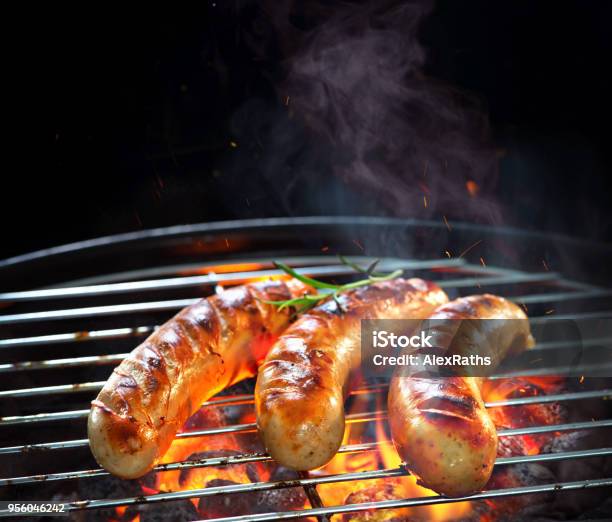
(115, 122)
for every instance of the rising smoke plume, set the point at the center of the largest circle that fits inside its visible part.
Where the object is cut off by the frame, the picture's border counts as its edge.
(358, 127)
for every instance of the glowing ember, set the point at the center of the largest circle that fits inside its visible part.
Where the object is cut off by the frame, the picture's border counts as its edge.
(447, 223)
(383, 456)
(472, 188)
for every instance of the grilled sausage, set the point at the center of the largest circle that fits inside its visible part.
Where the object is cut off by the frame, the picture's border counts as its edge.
(301, 386)
(439, 425)
(205, 348)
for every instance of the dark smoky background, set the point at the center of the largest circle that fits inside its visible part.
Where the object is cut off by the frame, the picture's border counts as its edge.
(489, 112)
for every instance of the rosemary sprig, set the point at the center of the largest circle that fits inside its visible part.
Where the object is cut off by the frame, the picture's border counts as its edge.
(308, 301)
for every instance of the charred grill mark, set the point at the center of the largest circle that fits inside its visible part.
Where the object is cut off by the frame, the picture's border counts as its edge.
(272, 290)
(463, 406)
(438, 416)
(152, 358)
(233, 300)
(221, 327)
(127, 382)
(125, 379)
(103, 407)
(202, 316)
(258, 299)
(488, 301)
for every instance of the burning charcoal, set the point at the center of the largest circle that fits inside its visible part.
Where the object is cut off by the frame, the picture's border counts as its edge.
(283, 473)
(519, 507)
(285, 498)
(197, 477)
(209, 417)
(79, 516)
(226, 505)
(511, 446)
(107, 488)
(576, 502)
(389, 491)
(176, 511)
(249, 502)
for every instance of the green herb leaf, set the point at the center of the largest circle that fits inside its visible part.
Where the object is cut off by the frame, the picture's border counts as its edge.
(305, 279)
(308, 301)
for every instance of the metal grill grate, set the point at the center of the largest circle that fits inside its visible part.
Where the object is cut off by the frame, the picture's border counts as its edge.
(540, 291)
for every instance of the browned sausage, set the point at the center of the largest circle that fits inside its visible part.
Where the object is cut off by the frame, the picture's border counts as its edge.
(205, 348)
(440, 426)
(301, 386)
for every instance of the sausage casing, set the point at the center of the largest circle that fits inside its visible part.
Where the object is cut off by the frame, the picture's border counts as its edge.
(203, 349)
(440, 425)
(301, 385)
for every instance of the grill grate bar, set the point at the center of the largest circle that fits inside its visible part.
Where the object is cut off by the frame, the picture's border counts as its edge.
(70, 362)
(584, 343)
(53, 390)
(595, 370)
(414, 502)
(102, 360)
(584, 316)
(97, 311)
(560, 397)
(313, 481)
(174, 304)
(264, 457)
(562, 296)
(81, 414)
(570, 426)
(46, 446)
(174, 466)
(121, 333)
(226, 277)
(92, 335)
(541, 277)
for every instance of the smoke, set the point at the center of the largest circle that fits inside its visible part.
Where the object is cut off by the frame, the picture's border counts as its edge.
(358, 127)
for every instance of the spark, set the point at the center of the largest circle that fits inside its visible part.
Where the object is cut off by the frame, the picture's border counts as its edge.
(424, 200)
(545, 265)
(324, 249)
(227, 244)
(287, 100)
(233, 144)
(551, 311)
(359, 245)
(581, 379)
(472, 187)
(470, 248)
(524, 307)
(447, 224)
(482, 262)
(448, 254)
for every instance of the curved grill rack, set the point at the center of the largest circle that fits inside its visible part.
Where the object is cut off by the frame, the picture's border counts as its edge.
(75, 316)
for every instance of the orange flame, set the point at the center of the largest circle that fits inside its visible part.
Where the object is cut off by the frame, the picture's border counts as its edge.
(385, 458)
